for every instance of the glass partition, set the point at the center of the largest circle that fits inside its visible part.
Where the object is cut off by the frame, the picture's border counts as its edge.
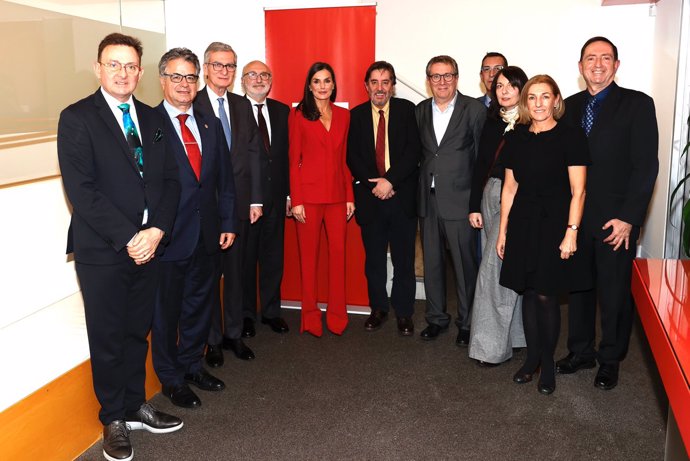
(48, 51)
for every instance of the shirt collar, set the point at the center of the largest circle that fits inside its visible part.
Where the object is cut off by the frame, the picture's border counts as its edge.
(254, 101)
(386, 109)
(451, 104)
(114, 103)
(173, 111)
(600, 96)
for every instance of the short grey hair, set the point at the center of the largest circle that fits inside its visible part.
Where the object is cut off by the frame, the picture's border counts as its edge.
(178, 53)
(216, 47)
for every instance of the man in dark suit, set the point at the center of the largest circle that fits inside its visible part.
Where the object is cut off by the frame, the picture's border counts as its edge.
(450, 125)
(491, 64)
(242, 137)
(265, 239)
(204, 225)
(383, 151)
(623, 140)
(123, 185)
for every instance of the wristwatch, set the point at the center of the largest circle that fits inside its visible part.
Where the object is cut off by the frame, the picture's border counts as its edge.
(573, 226)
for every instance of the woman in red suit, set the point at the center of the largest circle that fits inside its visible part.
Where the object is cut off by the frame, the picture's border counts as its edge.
(321, 194)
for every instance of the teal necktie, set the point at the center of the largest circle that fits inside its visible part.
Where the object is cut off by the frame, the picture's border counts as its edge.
(132, 136)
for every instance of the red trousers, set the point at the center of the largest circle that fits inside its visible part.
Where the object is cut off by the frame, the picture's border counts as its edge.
(334, 217)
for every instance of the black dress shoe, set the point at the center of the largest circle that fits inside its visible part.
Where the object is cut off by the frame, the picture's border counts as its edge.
(572, 363)
(116, 444)
(484, 364)
(431, 332)
(375, 320)
(546, 389)
(204, 381)
(277, 324)
(248, 330)
(405, 326)
(214, 355)
(463, 339)
(524, 377)
(607, 377)
(239, 348)
(152, 420)
(182, 396)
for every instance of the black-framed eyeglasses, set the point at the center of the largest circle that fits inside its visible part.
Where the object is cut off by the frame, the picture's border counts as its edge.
(114, 67)
(218, 66)
(489, 68)
(254, 75)
(177, 78)
(448, 77)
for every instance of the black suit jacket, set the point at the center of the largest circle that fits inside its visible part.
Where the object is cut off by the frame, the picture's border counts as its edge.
(103, 183)
(275, 176)
(623, 145)
(404, 151)
(244, 152)
(207, 205)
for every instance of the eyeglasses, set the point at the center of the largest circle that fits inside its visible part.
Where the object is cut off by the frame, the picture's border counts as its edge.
(218, 66)
(254, 75)
(177, 78)
(114, 67)
(446, 77)
(494, 68)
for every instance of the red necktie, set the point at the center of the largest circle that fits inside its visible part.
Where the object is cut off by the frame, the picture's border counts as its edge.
(190, 145)
(381, 145)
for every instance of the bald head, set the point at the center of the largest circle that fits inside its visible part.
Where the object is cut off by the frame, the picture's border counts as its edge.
(257, 80)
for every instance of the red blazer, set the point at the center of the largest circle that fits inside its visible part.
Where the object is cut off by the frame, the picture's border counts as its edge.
(318, 172)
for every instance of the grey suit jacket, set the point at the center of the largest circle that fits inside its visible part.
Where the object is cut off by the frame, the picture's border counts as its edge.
(451, 162)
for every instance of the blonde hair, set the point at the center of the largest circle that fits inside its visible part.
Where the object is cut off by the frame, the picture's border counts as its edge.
(558, 110)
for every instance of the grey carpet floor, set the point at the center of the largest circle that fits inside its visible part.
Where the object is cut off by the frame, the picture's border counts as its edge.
(379, 396)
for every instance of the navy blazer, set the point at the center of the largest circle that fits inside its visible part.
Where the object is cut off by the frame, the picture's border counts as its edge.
(404, 153)
(103, 184)
(244, 152)
(207, 205)
(623, 145)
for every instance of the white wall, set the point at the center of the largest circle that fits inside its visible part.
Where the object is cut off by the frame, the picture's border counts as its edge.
(541, 36)
(36, 273)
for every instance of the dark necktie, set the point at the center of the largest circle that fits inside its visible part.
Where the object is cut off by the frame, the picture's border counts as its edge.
(190, 145)
(263, 128)
(588, 116)
(132, 136)
(381, 145)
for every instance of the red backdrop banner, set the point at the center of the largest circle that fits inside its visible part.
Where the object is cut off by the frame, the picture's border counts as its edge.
(344, 37)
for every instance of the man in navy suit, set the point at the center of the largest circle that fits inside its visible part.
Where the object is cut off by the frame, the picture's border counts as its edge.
(266, 236)
(383, 151)
(205, 224)
(623, 140)
(123, 185)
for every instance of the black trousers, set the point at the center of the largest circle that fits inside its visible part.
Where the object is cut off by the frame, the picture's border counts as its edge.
(264, 248)
(390, 227)
(612, 275)
(227, 321)
(118, 306)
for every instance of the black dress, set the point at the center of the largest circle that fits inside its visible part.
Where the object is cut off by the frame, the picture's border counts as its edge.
(539, 214)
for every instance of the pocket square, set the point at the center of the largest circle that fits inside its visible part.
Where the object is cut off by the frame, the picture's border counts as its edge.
(158, 136)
